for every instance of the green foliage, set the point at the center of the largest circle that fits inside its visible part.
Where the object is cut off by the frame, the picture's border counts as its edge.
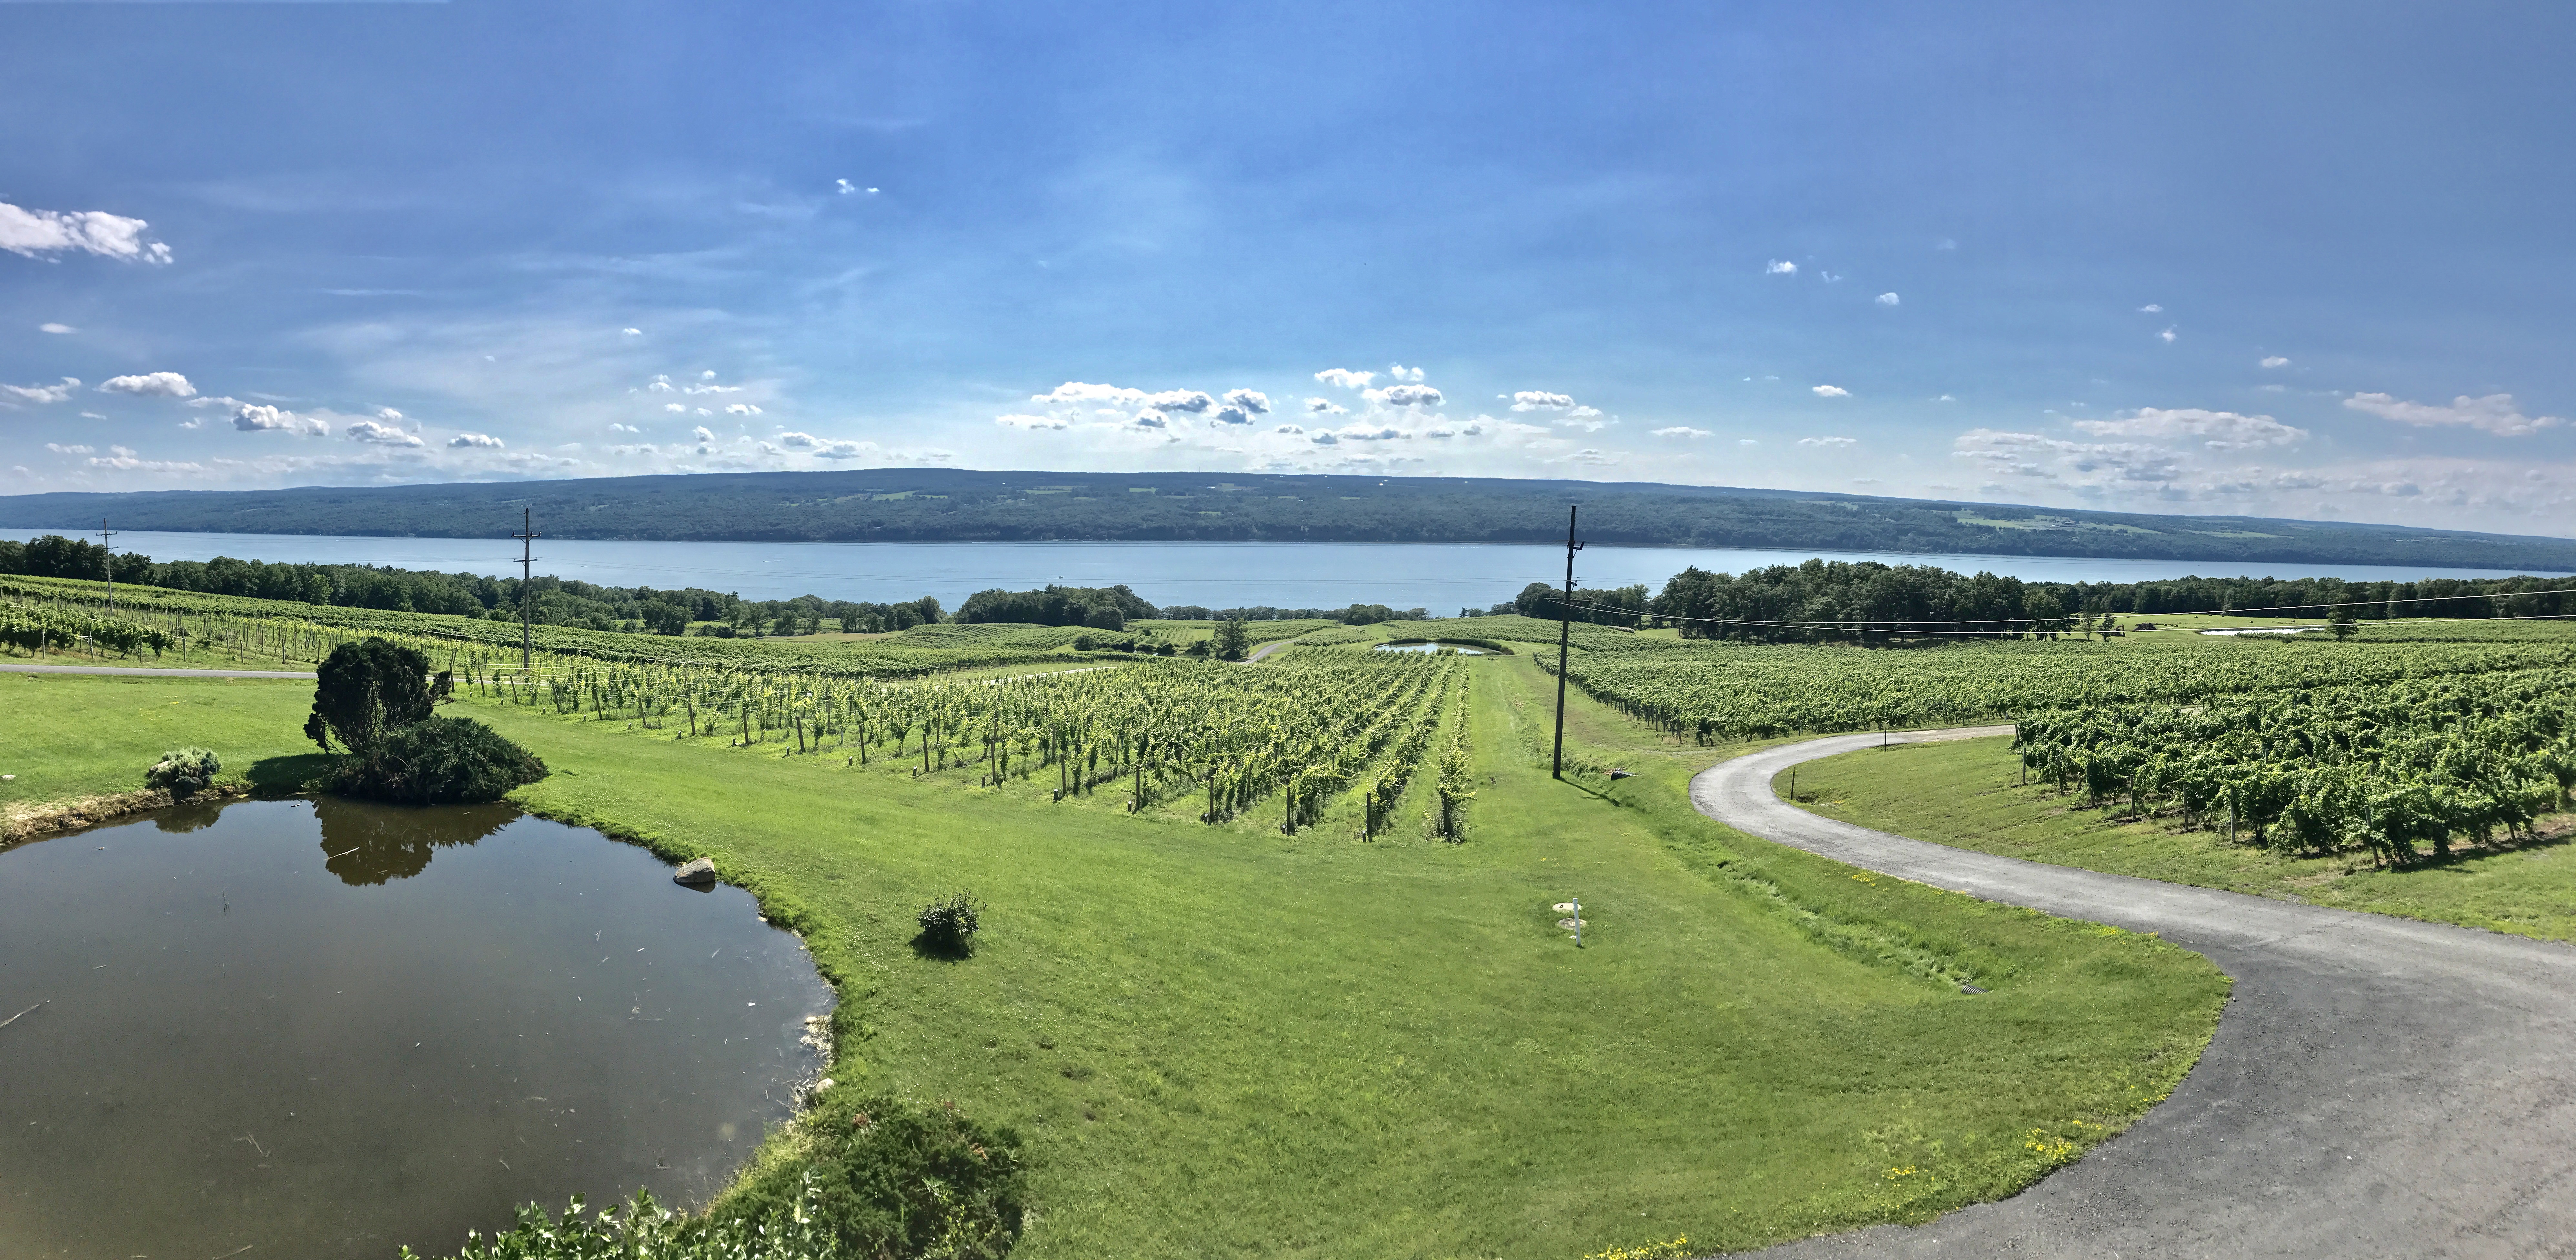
(948, 925)
(1231, 640)
(875, 1179)
(184, 772)
(38, 628)
(1715, 693)
(2375, 768)
(439, 761)
(1108, 608)
(366, 691)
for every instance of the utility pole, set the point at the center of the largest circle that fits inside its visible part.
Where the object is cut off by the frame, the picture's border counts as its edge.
(527, 536)
(1564, 634)
(104, 535)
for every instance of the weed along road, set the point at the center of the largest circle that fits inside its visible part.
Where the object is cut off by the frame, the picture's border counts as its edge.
(2378, 1086)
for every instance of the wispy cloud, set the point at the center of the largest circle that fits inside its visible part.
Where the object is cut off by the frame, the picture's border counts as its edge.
(41, 393)
(2275, 361)
(2495, 413)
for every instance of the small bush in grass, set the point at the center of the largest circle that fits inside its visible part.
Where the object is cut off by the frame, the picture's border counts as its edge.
(439, 761)
(948, 926)
(184, 772)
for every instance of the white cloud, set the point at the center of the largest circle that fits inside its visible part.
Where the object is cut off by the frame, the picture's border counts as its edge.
(1343, 378)
(1829, 441)
(41, 393)
(633, 332)
(1889, 299)
(677, 409)
(36, 233)
(1189, 400)
(388, 415)
(1831, 391)
(844, 450)
(380, 434)
(1405, 396)
(1326, 407)
(660, 385)
(2495, 413)
(1748, 441)
(703, 433)
(150, 384)
(483, 441)
(2274, 361)
(707, 375)
(258, 417)
(1152, 419)
(1399, 372)
(59, 330)
(1540, 400)
(1781, 267)
(1288, 428)
(60, 449)
(1682, 431)
(799, 441)
(619, 427)
(1829, 277)
(2152, 308)
(126, 462)
(846, 188)
(2212, 430)
(1029, 422)
(741, 409)
(2167, 336)
(1250, 400)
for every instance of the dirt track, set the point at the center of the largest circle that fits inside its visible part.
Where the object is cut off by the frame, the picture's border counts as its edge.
(2377, 1087)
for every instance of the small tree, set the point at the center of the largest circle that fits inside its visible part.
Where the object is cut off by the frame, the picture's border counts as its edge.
(366, 691)
(2342, 622)
(1233, 639)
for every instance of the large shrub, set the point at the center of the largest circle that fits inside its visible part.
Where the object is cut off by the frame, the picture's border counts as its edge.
(439, 761)
(948, 925)
(184, 772)
(367, 690)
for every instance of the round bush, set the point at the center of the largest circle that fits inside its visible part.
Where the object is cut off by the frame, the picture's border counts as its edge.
(183, 771)
(439, 761)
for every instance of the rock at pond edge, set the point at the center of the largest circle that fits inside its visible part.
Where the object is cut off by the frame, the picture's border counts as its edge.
(696, 872)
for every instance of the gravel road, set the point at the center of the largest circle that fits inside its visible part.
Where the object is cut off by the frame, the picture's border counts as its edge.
(2377, 1087)
(149, 673)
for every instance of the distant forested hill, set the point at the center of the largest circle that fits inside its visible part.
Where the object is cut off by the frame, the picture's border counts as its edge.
(959, 505)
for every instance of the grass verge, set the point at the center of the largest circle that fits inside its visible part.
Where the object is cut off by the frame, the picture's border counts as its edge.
(1968, 793)
(1228, 1042)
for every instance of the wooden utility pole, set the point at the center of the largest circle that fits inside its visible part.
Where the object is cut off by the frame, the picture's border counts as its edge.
(1564, 635)
(105, 535)
(527, 537)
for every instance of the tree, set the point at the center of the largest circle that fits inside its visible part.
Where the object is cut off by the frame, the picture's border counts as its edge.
(368, 690)
(1232, 639)
(2342, 621)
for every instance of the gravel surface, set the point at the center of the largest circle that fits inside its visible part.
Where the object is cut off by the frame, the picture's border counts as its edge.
(149, 673)
(2377, 1087)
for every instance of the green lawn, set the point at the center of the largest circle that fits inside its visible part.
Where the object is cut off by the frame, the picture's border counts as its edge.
(66, 737)
(1227, 1042)
(1968, 794)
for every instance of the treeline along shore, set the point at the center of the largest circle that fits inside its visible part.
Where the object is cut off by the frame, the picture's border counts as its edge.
(1814, 601)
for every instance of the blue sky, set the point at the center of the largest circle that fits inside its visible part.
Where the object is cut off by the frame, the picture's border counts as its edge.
(2300, 260)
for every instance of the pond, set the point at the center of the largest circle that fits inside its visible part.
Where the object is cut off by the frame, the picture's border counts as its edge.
(329, 1028)
(1430, 647)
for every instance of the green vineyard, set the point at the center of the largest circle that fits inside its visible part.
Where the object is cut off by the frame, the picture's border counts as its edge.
(2377, 768)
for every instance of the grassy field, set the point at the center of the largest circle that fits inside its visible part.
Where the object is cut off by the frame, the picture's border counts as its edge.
(66, 737)
(1227, 1042)
(1968, 794)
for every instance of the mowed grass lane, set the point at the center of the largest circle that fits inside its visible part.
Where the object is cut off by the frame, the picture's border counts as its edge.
(1968, 794)
(1221, 1043)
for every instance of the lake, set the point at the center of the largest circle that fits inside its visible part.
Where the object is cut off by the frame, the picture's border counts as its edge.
(1442, 577)
(333, 1028)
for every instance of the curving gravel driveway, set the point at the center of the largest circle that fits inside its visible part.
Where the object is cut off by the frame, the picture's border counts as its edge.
(2377, 1087)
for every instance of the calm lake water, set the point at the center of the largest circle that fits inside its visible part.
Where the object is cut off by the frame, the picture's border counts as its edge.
(1442, 577)
(300, 1028)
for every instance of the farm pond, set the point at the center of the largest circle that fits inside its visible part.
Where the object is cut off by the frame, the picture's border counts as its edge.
(330, 1028)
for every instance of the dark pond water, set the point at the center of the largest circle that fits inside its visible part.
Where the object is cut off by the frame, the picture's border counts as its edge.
(326, 1029)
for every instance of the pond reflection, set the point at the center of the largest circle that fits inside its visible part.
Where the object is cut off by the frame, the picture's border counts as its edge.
(364, 842)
